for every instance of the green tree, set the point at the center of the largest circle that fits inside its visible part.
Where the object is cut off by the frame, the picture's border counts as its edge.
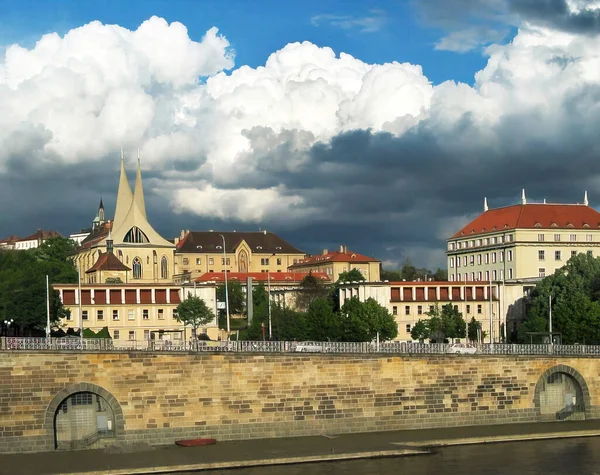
(361, 321)
(287, 324)
(310, 289)
(236, 296)
(440, 275)
(353, 275)
(445, 322)
(322, 323)
(474, 330)
(420, 331)
(409, 271)
(194, 311)
(391, 275)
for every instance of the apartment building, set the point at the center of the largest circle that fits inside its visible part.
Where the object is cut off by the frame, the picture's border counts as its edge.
(335, 262)
(409, 302)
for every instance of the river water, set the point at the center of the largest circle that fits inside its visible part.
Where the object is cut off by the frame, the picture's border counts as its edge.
(567, 456)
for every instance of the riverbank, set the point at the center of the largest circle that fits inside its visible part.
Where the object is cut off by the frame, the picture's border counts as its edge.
(261, 452)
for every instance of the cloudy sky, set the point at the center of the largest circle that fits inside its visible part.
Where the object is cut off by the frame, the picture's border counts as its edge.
(376, 124)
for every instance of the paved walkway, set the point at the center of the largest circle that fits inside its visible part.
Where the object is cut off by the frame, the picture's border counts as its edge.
(173, 459)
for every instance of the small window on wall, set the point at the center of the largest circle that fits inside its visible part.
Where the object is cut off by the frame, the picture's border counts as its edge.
(479, 309)
(115, 314)
(146, 334)
(407, 310)
(198, 261)
(394, 310)
(408, 328)
(145, 314)
(84, 315)
(420, 310)
(130, 314)
(161, 314)
(100, 314)
(132, 334)
(116, 334)
(468, 308)
(279, 261)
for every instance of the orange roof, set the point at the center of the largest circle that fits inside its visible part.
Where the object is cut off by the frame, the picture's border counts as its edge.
(532, 216)
(288, 277)
(40, 235)
(335, 256)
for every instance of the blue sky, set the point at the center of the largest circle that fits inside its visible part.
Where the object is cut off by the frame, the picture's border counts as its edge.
(256, 29)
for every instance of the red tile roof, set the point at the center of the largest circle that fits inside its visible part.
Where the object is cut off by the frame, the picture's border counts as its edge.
(10, 240)
(260, 242)
(532, 216)
(335, 256)
(287, 277)
(40, 234)
(107, 261)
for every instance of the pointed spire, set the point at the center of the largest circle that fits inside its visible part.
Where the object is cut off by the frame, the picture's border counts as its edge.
(523, 199)
(485, 204)
(124, 195)
(138, 192)
(101, 212)
(585, 199)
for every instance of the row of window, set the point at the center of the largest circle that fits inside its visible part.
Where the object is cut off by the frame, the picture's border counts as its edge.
(130, 314)
(487, 257)
(131, 335)
(572, 237)
(558, 254)
(407, 309)
(481, 242)
(481, 275)
(264, 261)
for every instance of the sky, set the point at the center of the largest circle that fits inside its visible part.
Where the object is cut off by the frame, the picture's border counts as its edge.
(380, 125)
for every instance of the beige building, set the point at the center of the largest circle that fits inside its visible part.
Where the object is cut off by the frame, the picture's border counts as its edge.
(201, 252)
(133, 311)
(136, 244)
(409, 302)
(335, 262)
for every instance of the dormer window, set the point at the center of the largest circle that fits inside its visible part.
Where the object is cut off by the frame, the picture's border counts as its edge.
(538, 225)
(219, 247)
(278, 248)
(259, 247)
(586, 225)
(554, 225)
(570, 225)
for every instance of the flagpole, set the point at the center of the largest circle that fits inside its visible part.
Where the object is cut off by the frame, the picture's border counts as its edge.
(47, 308)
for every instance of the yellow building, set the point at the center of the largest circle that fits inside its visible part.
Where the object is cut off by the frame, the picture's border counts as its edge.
(409, 302)
(200, 252)
(136, 244)
(336, 262)
(522, 241)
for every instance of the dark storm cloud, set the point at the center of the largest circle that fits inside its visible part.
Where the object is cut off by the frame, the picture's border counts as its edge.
(556, 14)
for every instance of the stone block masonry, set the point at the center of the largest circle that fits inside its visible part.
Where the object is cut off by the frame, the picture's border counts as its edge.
(159, 398)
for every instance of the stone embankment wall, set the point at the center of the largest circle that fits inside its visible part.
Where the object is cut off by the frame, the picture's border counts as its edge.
(160, 398)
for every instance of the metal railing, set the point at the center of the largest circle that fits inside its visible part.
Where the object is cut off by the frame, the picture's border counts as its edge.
(393, 347)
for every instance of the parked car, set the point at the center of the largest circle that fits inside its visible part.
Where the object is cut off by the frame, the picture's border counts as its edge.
(462, 348)
(309, 346)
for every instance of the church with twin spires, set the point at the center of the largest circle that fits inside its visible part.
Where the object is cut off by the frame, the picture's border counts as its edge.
(126, 248)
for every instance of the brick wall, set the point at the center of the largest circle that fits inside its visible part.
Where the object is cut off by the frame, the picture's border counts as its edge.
(159, 398)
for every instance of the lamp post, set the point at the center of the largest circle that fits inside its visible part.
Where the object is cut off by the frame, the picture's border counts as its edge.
(269, 290)
(7, 324)
(80, 306)
(226, 290)
(491, 317)
(47, 308)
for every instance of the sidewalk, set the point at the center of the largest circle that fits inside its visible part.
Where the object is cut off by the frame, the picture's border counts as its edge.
(246, 453)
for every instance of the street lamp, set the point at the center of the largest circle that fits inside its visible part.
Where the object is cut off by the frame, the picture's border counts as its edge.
(7, 324)
(269, 290)
(226, 290)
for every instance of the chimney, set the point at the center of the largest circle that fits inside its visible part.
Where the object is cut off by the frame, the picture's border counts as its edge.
(176, 240)
(325, 251)
(341, 248)
(182, 235)
(265, 232)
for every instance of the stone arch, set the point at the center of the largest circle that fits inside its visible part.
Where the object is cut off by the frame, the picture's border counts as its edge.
(572, 373)
(51, 410)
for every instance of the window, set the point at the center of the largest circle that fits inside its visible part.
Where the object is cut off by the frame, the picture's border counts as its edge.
(451, 262)
(478, 259)
(573, 237)
(100, 314)
(420, 310)
(130, 315)
(510, 273)
(145, 314)
(161, 314)
(493, 257)
(494, 275)
(501, 256)
(472, 260)
(407, 310)
(479, 309)
(468, 308)
(465, 261)
(198, 261)
(84, 315)
(509, 256)
(541, 255)
(279, 261)
(137, 268)
(132, 334)
(116, 334)
(487, 258)
(588, 238)
(557, 255)
(175, 314)
(479, 242)
(458, 262)
(459, 276)
(451, 246)
(541, 272)
(590, 253)
(264, 261)
(486, 241)
(69, 316)
(164, 268)
(295, 261)
(408, 328)
(211, 261)
(501, 274)
(394, 310)
(479, 275)
(115, 314)
(186, 261)
(540, 237)
(222, 261)
(487, 275)
(431, 309)
(573, 253)
(557, 237)
(473, 243)
(451, 277)
(146, 334)
(472, 276)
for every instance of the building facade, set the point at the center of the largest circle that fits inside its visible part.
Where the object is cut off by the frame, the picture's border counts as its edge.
(201, 252)
(335, 262)
(409, 302)
(30, 242)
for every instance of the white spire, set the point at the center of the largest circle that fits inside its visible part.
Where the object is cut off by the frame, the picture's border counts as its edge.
(585, 199)
(485, 205)
(124, 196)
(138, 191)
(523, 199)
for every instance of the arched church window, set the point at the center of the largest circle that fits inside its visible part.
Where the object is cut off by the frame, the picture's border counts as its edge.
(121, 256)
(136, 235)
(164, 268)
(137, 268)
(147, 259)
